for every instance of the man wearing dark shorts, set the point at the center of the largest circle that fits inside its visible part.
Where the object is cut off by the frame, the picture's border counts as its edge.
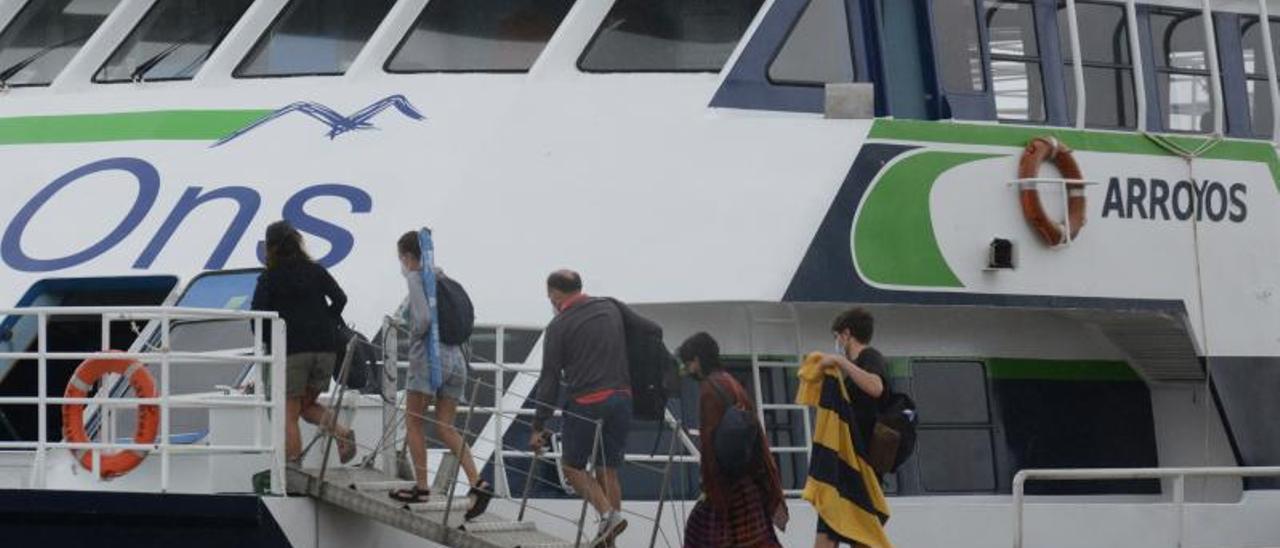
(584, 347)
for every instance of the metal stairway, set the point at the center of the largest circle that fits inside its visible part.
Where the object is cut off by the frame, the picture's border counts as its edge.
(364, 492)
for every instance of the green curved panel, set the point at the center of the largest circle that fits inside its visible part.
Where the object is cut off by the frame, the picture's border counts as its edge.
(893, 239)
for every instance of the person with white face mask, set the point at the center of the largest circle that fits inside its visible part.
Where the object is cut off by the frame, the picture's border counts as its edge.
(864, 370)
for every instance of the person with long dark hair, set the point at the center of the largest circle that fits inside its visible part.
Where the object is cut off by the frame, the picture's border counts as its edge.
(310, 302)
(738, 511)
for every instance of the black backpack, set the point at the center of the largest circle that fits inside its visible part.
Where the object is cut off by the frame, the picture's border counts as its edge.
(364, 359)
(736, 439)
(457, 316)
(653, 370)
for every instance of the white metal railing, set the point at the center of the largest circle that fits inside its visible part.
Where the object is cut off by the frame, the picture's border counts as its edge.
(165, 357)
(500, 413)
(396, 416)
(1178, 475)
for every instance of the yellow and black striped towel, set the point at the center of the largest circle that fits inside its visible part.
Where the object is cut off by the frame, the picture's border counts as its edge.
(841, 485)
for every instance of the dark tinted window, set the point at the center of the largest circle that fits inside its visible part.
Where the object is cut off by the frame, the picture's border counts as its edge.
(817, 50)
(959, 50)
(1255, 66)
(479, 35)
(951, 392)
(315, 37)
(1108, 70)
(173, 41)
(1015, 62)
(45, 35)
(1104, 33)
(954, 451)
(668, 35)
(1182, 70)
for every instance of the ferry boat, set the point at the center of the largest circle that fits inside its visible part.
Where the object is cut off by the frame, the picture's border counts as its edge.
(1062, 214)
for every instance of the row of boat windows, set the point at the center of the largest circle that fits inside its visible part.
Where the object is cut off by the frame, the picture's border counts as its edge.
(977, 43)
(323, 37)
(1180, 49)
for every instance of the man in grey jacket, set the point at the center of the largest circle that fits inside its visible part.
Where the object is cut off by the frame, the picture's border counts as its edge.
(419, 394)
(585, 347)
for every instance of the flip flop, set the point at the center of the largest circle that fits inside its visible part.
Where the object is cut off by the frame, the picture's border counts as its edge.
(481, 493)
(411, 495)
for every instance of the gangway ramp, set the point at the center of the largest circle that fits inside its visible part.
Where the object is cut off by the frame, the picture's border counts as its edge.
(364, 491)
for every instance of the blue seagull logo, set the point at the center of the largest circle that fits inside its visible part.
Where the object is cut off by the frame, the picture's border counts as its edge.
(338, 124)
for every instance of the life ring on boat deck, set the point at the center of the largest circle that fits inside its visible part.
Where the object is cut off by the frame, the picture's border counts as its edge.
(1037, 151)
(144, 385)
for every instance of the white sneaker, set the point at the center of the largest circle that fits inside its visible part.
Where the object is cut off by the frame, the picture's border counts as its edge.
(611, 526)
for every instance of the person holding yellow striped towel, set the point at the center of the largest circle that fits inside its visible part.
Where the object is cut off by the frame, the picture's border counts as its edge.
(846, 388)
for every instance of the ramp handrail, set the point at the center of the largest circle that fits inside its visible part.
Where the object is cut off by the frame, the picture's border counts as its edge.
(390, 439)
(1178, 475)
(164, 356)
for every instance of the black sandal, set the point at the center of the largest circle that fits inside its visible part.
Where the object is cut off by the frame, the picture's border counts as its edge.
(481, 493)
(411, 495)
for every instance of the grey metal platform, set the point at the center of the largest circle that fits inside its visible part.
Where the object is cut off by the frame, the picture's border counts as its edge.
(364, 492)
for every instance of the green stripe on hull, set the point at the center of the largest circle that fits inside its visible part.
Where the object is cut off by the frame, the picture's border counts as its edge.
(1060, 370)
(165, 125)
(1092, 141)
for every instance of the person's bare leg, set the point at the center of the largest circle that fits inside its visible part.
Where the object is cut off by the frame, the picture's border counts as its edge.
(415, 426)
(608, 479)
(823, 541)
(320, 416)
(292, 434)
(587, 486)
(446, 412)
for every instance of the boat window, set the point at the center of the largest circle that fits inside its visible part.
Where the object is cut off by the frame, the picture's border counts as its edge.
(1015, 60)
(668, 35)
(817, 51)
(314, 38)
(1255, 68)
(955, 436)
(1108, 68)
(1182, 70)
(45, 35)
(959, 55)
(173, 41)
(478, 36)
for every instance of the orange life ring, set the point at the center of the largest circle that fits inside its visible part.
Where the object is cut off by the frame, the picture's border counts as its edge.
(1037, 151)
(144, 385)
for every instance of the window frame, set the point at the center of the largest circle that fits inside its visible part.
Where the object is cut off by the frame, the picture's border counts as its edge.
(965, 104)
(848, 31)
(600, 27)
(991, 426)
(1158, 68)
(745, 84)
(1038, 60)
(386, 65)
(1258, 77)
(13, 20)
(124, 41)
(1134, 58)
(267, 34)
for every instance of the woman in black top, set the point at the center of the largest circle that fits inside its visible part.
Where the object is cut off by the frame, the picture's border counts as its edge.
(311, 303)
